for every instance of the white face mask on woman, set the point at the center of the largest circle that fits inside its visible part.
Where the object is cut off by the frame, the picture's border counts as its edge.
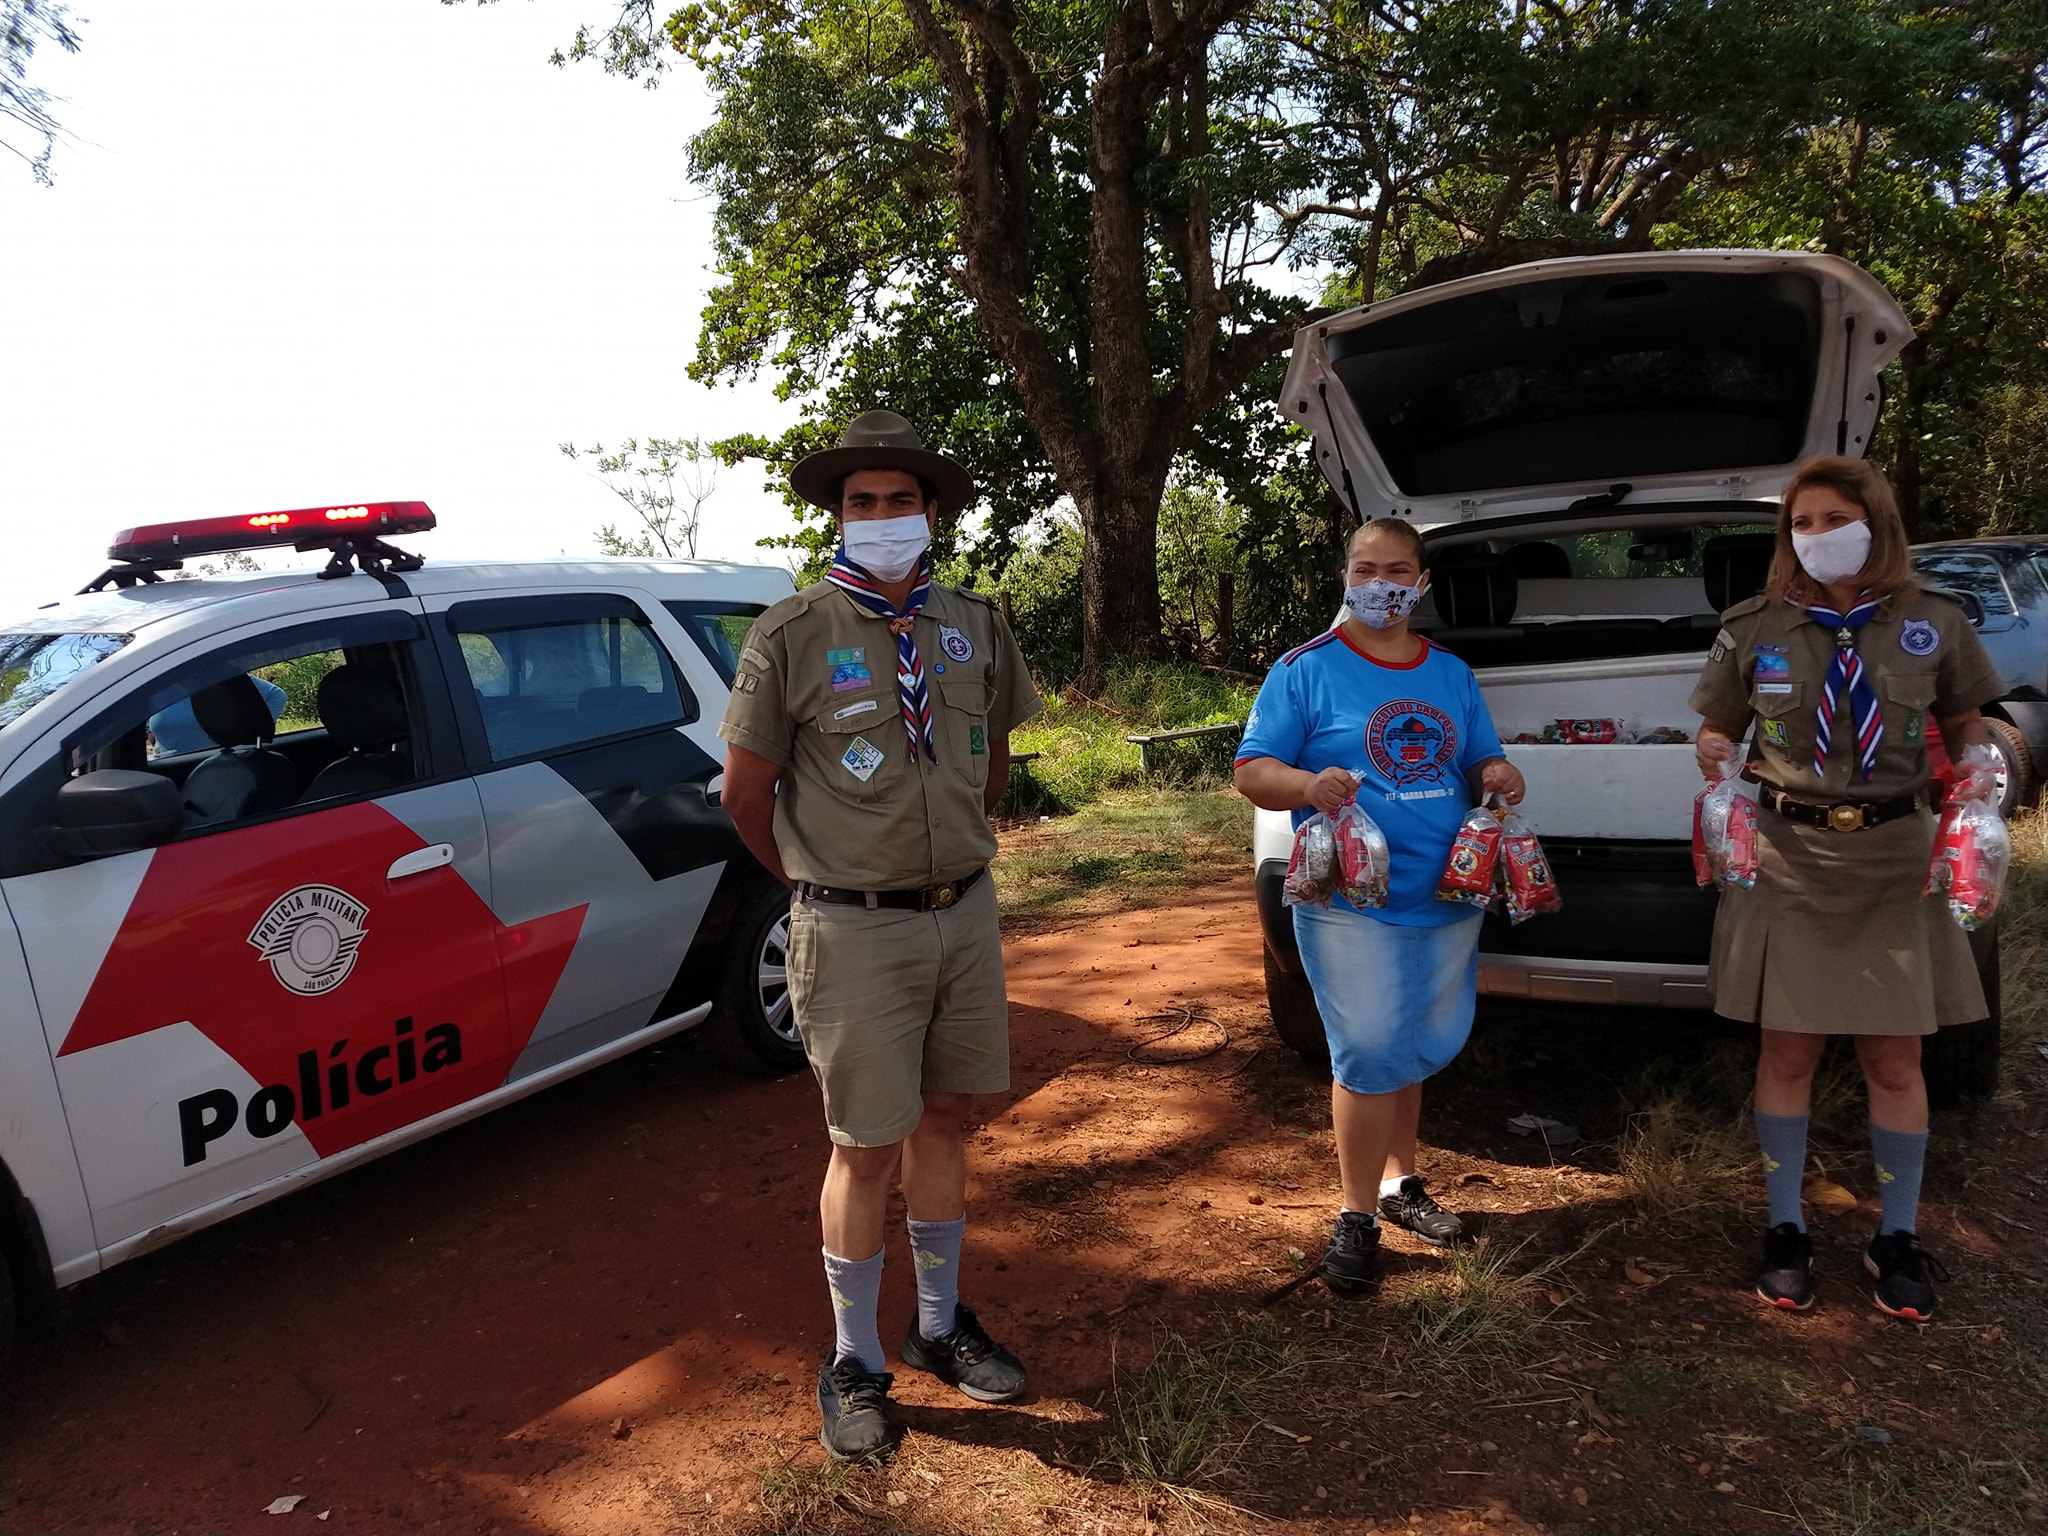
(887, 547)
(1835, 555)
(1380, 604)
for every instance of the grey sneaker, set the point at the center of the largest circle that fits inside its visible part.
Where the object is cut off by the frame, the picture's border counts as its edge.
(1354, 1246)
(1412, 1208)
(1905, 1274)
(854, 1403)
(969, 1359)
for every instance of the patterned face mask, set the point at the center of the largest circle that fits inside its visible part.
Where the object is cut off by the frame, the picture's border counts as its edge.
(1379, 604)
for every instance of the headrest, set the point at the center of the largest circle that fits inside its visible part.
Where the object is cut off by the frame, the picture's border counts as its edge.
(1475, 594)
(1734, 565)
(232, 712)
(362, 707)
(604, 711)
(1539, 561)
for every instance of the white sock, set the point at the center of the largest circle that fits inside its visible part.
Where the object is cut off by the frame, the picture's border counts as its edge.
(1371, 1216)
(1392, 1186)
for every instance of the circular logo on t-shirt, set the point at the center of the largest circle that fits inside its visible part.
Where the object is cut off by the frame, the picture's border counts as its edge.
(1409, 740)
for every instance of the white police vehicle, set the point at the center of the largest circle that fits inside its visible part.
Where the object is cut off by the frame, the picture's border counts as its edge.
(1592, 448)
(298, 868)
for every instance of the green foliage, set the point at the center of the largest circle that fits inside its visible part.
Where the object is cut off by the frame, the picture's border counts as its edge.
(667, 492)
(26, 25)
(300, 680)
(1083, 742)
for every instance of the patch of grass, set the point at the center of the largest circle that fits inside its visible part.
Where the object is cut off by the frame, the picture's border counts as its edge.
(1479, 1312)
(801, 1498)
(1881, 1493)
(1125, 850)
(1083, 746)
(1677, 1157)
(2023, 939)
(1184, 1418)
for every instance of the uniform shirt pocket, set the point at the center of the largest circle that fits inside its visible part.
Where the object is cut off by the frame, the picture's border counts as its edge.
(964, 711)
(1908, 696)
(1777, 697)
(859, 739)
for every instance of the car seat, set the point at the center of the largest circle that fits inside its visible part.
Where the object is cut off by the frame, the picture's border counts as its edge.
(244, 778)
(1734, 565)
(363, 708)
(1539, 560)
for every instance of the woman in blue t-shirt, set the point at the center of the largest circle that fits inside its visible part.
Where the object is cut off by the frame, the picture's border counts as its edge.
(1395, 986)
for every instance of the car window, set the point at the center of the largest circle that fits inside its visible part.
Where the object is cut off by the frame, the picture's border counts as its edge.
(1622, 555)
(548, 684)
(720, 630)
(1961, 571)
(32, 667)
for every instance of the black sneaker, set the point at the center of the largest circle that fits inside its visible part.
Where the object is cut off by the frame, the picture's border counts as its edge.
(1786, 1278)
(1905, 1273)
(969, 1359)
(1412, 1208)
(1348, 1261)
(854, 1402)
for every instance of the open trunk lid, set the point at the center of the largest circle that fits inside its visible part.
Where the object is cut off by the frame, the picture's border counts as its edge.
(1683, 375)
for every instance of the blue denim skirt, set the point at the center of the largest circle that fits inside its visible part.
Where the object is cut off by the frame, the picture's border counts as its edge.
(1396, 999)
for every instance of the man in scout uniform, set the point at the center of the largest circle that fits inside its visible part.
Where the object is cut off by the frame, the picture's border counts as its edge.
(869, 738)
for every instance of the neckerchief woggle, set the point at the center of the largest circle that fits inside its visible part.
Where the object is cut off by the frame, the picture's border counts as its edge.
(1847, 671)
(910, 685)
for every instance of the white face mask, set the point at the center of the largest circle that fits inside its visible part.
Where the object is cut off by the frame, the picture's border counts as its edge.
(887, 548)
(1835, 555)
(1379, 604)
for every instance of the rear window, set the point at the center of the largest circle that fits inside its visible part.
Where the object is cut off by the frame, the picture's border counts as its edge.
(32, 667)
(1588, 379)
(1976, 574)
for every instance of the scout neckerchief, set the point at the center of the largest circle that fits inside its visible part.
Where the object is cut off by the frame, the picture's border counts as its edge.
(910, 686)
(1847, 669)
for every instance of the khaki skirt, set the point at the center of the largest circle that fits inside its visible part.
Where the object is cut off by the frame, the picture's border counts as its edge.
(1836, 939)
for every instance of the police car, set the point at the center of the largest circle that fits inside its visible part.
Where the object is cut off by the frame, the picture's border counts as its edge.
(298, 868)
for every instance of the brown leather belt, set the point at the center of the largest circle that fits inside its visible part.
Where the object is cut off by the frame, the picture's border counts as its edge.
(935, 898)
(1844, 816)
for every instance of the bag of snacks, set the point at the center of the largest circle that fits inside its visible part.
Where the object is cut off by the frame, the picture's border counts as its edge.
(1470, 874)
(1972, 852)
(1362, 859)
(1312, 867)
(1724, 832)
(1525, 879)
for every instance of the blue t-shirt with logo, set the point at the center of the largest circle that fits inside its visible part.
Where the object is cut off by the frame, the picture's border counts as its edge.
(1414, 730)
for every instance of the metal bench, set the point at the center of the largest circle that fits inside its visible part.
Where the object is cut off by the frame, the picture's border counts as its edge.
(1145, 741)
(1023, 757)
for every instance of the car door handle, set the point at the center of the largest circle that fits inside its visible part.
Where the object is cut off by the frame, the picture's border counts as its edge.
(420, 860)
(714, 789)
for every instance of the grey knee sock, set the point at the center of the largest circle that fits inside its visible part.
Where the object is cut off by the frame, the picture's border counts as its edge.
(1899, 1158)
(1783, 1140)
(856, 1287)
(935, 1250)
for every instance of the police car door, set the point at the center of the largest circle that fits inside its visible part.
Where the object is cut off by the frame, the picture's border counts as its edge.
(576, 720)
(309, 963)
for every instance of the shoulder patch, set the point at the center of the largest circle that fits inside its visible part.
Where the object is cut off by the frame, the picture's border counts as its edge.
(1316, 644)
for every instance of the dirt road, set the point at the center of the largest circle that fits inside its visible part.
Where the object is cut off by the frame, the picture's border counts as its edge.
(600, 1310)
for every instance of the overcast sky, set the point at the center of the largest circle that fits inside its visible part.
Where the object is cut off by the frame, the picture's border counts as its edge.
(305, 253)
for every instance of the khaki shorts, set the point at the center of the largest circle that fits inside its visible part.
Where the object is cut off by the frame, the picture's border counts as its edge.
(893, 1005)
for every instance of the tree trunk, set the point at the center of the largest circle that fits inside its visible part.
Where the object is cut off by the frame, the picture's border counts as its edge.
(1119, 579)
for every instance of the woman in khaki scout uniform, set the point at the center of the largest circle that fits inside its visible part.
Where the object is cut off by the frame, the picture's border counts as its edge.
(868, 739)
(1843, 663)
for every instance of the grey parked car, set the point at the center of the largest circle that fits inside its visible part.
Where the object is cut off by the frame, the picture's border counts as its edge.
(2004, 586)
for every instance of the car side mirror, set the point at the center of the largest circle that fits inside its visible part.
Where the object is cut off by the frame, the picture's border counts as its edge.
(116, 810)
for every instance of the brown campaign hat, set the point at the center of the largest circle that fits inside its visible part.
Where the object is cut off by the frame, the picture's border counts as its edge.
(880, 440)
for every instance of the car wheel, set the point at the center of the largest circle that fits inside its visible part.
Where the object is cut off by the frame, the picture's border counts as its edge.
(1296, 1019)
(2017, 781)
(754, 1025)
(1960, 1062)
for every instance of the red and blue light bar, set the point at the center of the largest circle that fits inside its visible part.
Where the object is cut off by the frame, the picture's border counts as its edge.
(304, 528)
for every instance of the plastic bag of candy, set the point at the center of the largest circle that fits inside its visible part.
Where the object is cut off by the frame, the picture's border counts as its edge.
(1724, 832)
(1972, 852)
(1526, 884)
(1471, 872)
(1362, 858)
(1312, 866)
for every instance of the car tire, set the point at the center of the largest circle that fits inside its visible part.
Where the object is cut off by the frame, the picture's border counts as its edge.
(1296, 1019)
(753, 1026)
(1960, 1062)
(2021, 783)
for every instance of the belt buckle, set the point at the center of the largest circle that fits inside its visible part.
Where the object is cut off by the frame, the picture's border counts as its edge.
(1846, 818)
(943, 896)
